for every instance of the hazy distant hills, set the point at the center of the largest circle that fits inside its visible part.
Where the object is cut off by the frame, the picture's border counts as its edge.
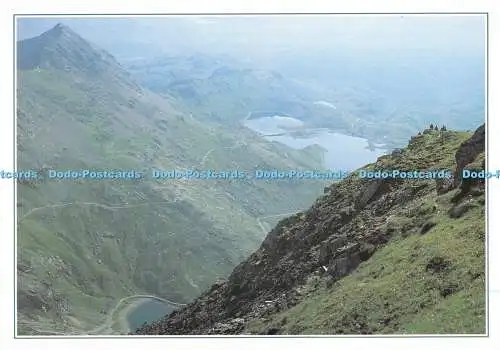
(384, 101)
(226, 92)
(383, 94)
(84, 244)
(223, 93)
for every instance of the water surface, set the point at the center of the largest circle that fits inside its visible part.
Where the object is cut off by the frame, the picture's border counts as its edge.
(148, 311)
(341, 151)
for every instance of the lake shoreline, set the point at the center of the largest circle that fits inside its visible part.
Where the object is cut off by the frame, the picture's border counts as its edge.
(124, 313)
(143, 310)
(340, 151)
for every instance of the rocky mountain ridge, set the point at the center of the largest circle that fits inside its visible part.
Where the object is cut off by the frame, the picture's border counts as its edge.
(309, 256)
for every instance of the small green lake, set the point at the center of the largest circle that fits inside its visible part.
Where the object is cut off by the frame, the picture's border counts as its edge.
(148, 311)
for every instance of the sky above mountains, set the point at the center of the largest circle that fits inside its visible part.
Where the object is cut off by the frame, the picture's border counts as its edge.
(268, 37)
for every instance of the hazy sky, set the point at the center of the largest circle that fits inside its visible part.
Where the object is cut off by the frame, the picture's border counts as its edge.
(270, 35)
(465, 33)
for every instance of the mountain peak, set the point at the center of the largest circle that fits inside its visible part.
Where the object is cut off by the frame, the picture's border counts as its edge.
(61, 48)
(59, 30)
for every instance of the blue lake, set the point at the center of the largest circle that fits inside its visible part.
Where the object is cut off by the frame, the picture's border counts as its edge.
(148, 311)
(341, 151)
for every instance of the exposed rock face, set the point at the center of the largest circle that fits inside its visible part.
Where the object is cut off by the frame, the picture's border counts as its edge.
(466, 158)
(468, 152)
(369, 192)
(443, 185)
(397, 152)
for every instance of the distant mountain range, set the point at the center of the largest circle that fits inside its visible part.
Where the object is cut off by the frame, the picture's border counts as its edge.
(383, 96)
(383, 102)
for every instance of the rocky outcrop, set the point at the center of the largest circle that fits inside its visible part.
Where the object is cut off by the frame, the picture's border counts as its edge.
(444, 185)
(468, 151)
(466, 157)
(368, 193)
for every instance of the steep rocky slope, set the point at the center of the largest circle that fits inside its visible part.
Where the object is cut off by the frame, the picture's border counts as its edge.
(370, 256)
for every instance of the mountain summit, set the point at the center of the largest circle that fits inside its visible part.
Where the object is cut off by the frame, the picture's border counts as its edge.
(63, 49)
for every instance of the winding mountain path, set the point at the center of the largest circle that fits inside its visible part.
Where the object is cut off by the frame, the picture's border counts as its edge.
(108, 207)
(204, 159)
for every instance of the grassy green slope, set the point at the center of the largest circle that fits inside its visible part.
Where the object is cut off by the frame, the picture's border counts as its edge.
(418, 283)
(400, 291)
